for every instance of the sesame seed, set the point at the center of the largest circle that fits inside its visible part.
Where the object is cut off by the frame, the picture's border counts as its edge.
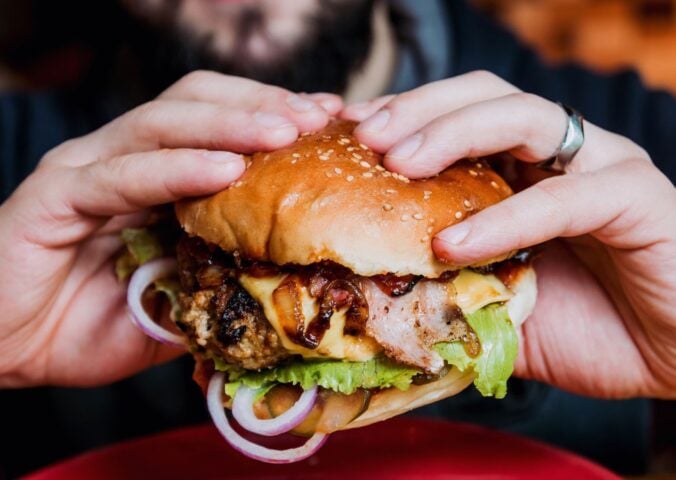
(305, 134)
(319, 151)
(338, 170)
(473, 173)
(295, 155)
(467, 203)
(458, 214)
(266, 157)
(429, 229)
(344, 141)
(418, 216)
(238, 183)
(367, 174)
(380, 168)
(349, 178)
(494, 184)
(363, 147)
(405, 217)
(369, 153)
(479, 165)
(323, 158)
(424, 239)
(328, 174)
(387, 174)
(387, 207)
(330, 151)
(364, 164)
(357, 156)
(389, 190)
(294, 161)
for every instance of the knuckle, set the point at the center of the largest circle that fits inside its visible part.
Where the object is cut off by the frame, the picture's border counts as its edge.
(484, 76)
(528, 100)
(195, 81)
(145, 120)
(554, 204)
(401, 103)
(59, 155)
(145, 113)
(488, 79)
(271, 92)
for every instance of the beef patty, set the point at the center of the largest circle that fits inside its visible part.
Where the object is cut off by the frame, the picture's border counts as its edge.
(218, 315)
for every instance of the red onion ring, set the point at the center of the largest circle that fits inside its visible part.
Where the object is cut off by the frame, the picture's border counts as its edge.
(242, 410)
(142, 278)
(246, 447)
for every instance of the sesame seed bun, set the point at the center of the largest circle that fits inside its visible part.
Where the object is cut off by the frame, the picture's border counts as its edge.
(327, 197)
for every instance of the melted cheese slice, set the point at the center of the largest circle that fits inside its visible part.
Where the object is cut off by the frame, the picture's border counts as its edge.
(333, 345)
(473, 291)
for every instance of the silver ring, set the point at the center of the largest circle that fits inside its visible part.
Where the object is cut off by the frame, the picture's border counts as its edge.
(571, 143)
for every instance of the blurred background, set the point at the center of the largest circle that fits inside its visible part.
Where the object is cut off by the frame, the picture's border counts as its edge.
(604, 35)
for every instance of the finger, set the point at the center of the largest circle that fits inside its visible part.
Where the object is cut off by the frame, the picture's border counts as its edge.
(328, 101)
(408, 112)
(559, 207)
(127, 184)
(244, 94)
(120, 222)
(527, 126)
(180, 124)
(360, 111)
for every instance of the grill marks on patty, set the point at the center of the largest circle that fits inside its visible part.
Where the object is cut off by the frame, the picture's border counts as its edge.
(240, 334)
(219, 316)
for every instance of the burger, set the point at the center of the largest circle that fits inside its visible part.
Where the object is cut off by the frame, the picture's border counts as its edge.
(311, 300)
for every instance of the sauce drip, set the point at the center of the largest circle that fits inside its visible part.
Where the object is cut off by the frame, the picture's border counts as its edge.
(395, 286)
(334, 295)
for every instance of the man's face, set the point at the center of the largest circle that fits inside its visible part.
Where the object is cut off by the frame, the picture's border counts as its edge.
(262, 39)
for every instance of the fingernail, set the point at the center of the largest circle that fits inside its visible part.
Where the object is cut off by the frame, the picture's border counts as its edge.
(377, 122)
(271, 120)
(300, 104)
(222, 157)
(455, 234)
(407, 148)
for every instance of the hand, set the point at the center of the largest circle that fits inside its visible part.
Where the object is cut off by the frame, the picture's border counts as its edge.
(605, 319)
(64, 315)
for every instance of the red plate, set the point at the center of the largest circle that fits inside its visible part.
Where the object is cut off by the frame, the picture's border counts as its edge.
(401, 448)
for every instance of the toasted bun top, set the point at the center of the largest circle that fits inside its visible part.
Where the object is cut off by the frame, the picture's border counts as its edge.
(326, 197)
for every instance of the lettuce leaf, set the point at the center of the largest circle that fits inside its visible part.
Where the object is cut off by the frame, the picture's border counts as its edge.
(337, 375)
(142, 246)
(499, 346)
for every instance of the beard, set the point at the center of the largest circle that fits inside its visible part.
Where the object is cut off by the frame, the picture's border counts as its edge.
(335, 44)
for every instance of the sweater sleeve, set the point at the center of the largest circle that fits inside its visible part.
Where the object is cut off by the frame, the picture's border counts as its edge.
(30, 125)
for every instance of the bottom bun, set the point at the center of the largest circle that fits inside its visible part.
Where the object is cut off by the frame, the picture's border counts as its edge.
(392, 402)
